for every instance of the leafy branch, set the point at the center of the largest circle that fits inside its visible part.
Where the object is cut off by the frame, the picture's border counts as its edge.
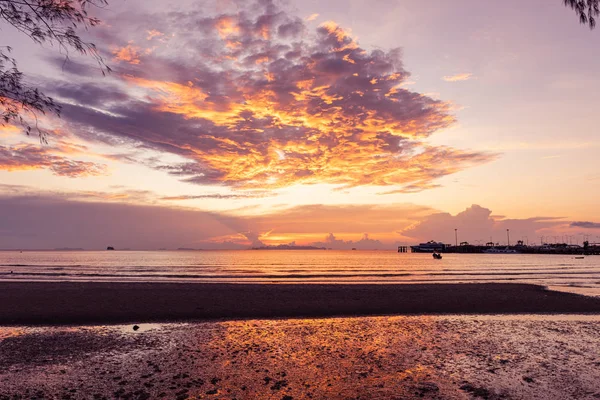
(44, 21)
(587, 10)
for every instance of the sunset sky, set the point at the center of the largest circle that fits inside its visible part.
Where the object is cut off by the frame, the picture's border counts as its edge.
(345, 123)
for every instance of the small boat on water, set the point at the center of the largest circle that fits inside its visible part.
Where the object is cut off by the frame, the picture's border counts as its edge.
(579, 258)
(437, 256)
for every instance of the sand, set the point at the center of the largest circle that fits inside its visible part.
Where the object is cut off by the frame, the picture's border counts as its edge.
(47, 303)
(401, 357)
(264, 347)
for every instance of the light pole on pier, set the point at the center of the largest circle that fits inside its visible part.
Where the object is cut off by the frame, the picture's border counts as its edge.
(508, 237)
(456, 237)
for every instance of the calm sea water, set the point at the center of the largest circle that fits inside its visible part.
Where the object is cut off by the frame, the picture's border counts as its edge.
(557, 272)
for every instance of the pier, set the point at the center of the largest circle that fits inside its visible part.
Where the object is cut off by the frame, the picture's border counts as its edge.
(555, 248)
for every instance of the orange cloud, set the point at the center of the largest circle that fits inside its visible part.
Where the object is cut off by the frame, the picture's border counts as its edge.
(343, 36)
(153, 33)
(266, 106)
(458, 77)
(32, 157)
(129, 54)
(351, 159)
(226, 26)
(9, 130)
(312, 17)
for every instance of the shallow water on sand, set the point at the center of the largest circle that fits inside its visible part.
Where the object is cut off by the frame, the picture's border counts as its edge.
(558, 272)
(435, 357)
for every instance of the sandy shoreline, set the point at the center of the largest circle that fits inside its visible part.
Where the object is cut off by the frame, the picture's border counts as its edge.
(400, 357)
(48, 303)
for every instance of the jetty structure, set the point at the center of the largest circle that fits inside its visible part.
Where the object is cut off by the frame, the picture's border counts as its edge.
(429, 247)
(495, 248)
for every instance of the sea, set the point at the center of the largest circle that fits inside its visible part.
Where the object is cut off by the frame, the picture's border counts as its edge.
(557, 272)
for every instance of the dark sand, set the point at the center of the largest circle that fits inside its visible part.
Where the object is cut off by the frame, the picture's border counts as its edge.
(46, 303)
(400, 357)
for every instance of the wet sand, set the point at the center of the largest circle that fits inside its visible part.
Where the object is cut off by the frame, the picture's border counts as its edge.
(47, 303)
(402, 357)
(275, 353)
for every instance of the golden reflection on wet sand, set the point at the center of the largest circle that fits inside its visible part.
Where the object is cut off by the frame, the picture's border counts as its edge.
(375, 357)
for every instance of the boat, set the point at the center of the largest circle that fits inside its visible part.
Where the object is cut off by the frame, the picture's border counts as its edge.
(579, 258)
(496, 250)
(429, 247)
(437, 256)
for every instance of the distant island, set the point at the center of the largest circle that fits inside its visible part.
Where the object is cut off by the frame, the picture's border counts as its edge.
(188, 249)
(288, 247)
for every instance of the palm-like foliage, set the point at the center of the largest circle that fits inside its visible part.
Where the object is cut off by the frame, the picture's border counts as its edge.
(588, 10)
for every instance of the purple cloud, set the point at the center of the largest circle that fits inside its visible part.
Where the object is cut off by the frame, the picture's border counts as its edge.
(27, 157)
(585, 224)
(254, 99)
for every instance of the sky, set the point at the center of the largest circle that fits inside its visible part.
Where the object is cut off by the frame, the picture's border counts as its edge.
(367, 124)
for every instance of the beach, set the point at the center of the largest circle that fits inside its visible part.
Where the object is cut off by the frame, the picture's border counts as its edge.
(131, 340)
(401, 357)
(288, 199)
(51, 303)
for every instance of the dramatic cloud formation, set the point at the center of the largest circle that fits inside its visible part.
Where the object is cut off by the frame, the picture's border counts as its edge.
(458, 77)
(253, 99)
(27, 157)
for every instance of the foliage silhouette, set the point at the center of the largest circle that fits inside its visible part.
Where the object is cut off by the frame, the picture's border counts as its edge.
(587, 10)
(44, 21)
